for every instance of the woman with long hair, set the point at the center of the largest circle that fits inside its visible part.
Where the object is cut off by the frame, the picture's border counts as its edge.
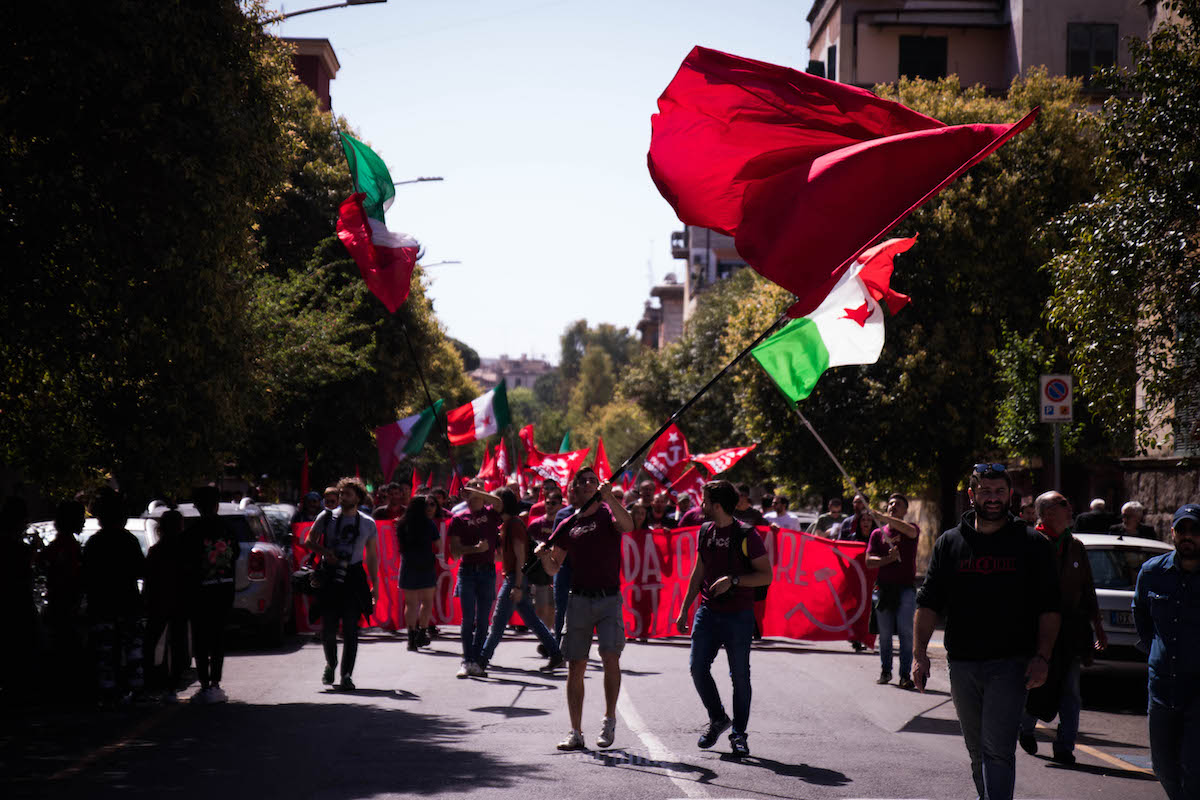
(416, 536)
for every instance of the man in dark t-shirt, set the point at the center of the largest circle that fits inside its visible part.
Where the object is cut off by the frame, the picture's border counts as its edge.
(473, 536)
(592, 537)
(994, 582)
(730, 561)
(892, 549)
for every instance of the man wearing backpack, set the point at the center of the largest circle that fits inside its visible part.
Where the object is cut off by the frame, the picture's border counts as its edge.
(731, 562)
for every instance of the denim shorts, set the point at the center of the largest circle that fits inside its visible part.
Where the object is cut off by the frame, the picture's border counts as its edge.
(604, 615)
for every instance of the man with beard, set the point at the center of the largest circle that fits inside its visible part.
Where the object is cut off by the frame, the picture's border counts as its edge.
(345, 538)
(993, 580)
(593, 538)
(1166, 610)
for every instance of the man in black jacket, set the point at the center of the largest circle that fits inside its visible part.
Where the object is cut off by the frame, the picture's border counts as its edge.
(993, 580)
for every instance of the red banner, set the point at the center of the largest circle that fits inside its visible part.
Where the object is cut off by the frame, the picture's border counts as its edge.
(821, 590)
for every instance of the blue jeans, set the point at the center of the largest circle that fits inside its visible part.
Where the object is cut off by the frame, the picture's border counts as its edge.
(897, 621)
(562, 594)
(1068, 711)
(735, 630)
(989, 697)
(503, 613)
(1175, 747)
(476, 590)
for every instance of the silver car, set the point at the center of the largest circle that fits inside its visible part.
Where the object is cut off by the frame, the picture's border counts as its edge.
(1115, 561)
(262, 600)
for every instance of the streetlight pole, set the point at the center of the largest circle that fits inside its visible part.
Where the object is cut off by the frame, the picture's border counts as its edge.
(346, 4)
(418, 180)
(438, 264)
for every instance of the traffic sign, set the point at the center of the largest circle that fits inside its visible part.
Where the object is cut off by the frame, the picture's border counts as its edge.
(1056, 398)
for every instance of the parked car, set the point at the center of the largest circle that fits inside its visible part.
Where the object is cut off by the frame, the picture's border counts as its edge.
(1115, 561)
(262, 599)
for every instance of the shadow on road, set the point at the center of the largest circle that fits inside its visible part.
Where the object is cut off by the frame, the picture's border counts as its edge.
(326, 750)
(619, 757)
(818, 776)
(1108, 772)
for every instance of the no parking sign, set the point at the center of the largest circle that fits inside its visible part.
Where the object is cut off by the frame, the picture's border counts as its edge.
(1055, 398)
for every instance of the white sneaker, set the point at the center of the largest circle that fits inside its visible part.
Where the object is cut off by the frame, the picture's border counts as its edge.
(217, 695)
(464, 669)
(574, 741)
(608, 732)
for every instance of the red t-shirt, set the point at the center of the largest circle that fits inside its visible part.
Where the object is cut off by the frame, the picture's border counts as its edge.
(539, 528)
(472, 527)
(719, 559)
(514, 531)
(594, 543)
(898, 573)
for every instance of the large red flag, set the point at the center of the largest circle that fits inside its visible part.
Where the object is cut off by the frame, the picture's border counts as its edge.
(718, 462)
(691, 483)
(384, 258)
(603, 470)
(533, 456)
(561, 467)
(803, 172)
(456, 483)
(668, 457)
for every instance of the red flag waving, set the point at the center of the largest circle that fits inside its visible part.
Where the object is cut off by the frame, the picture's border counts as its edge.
(502, 461)
(429, 480)
(561, 467)
(385, 259)
(603, 470)
(668, 457)
(416, 480)
(718, 462)
(803, 172)
(456, 483)
(533, 456)
(690, 483)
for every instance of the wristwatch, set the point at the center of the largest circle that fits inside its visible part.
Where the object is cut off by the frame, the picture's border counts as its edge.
(734, 580)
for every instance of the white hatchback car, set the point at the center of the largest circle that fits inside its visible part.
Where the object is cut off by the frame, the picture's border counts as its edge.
(1115, 562)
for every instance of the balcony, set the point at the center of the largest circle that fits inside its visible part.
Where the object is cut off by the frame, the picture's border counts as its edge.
(679, 244)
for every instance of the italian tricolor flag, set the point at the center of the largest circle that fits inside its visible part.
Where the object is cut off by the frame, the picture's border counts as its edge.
(386, 259)
(404, 438)
(846, 328)
(482, 417)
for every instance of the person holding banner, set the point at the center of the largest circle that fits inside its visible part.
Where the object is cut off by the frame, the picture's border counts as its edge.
(731, 561)
(593, 539)
(474, 534)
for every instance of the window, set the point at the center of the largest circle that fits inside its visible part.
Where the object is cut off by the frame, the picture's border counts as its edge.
(1090, 45)
(923, 57)
(1117, 568)
(831, 62)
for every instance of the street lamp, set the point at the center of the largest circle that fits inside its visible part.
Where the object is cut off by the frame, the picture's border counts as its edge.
(290, 14)
(418, 180)
(438, 264)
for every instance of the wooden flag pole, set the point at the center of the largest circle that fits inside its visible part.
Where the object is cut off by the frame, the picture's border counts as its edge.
(821, 442)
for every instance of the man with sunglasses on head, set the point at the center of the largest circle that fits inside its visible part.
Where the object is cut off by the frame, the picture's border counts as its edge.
(993, 580)
(1166, 611)
(593, 538)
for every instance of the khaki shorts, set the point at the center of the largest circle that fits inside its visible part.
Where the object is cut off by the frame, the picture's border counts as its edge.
(603, 615)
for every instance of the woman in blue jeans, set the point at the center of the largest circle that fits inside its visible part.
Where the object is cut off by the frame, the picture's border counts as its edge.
(474, 534)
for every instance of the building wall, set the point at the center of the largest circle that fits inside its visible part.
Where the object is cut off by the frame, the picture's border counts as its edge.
(975, 55)
(1040, 28)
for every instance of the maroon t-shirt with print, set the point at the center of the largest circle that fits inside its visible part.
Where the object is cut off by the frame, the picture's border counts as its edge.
(719, 559)
(594, 543)
(898, 573)
(473, 527)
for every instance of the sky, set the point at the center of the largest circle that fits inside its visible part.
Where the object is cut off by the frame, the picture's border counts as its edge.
(537, 116)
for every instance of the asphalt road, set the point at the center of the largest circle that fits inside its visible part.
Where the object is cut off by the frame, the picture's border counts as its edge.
(820, 728)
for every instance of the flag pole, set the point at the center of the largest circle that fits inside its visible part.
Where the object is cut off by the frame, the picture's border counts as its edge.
(412, 351)
(821, 441)
(671, 421)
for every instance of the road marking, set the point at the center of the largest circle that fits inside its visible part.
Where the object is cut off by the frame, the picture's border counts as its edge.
(1111, 760)
(100, 752)
(658, 750)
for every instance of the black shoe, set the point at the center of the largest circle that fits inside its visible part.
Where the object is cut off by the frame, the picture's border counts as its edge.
(327, 676)
(554, 663)
(1028, 743)
(907, 684)
(432, 633)
(713, 732)
(414, 640)
(346, 685)
(1063, 757)
(885, 677)
(738, 746)
(858, 646)
(542, 651)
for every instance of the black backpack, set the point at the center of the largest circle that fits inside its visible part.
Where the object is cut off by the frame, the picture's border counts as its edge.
(739, 544)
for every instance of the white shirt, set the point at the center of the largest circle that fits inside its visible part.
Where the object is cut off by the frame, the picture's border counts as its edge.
(785, 520)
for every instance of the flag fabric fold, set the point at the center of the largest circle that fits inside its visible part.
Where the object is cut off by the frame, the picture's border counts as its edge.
(561, 467)
(406, 437)
(533, 456)
(722, 460)
(600, 464)
(803, 172)
(668, 457)
(386, 259)
(484, 416)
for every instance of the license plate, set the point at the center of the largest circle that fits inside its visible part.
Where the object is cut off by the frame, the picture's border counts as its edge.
(1122, 619)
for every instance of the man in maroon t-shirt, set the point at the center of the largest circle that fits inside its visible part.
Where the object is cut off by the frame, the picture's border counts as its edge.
(730, 561)
(473, 535)
(592, 537)
(892, 550)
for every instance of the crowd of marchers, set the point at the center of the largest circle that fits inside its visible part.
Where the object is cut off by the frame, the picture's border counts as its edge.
(1014, 593)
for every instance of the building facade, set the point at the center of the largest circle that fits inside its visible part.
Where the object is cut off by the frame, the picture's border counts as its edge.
(988, 42)
(518, 373)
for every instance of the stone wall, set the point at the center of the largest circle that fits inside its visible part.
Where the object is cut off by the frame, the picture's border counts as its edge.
(1161, 485)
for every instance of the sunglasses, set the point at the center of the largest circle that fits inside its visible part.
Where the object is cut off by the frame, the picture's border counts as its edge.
(989, 469)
